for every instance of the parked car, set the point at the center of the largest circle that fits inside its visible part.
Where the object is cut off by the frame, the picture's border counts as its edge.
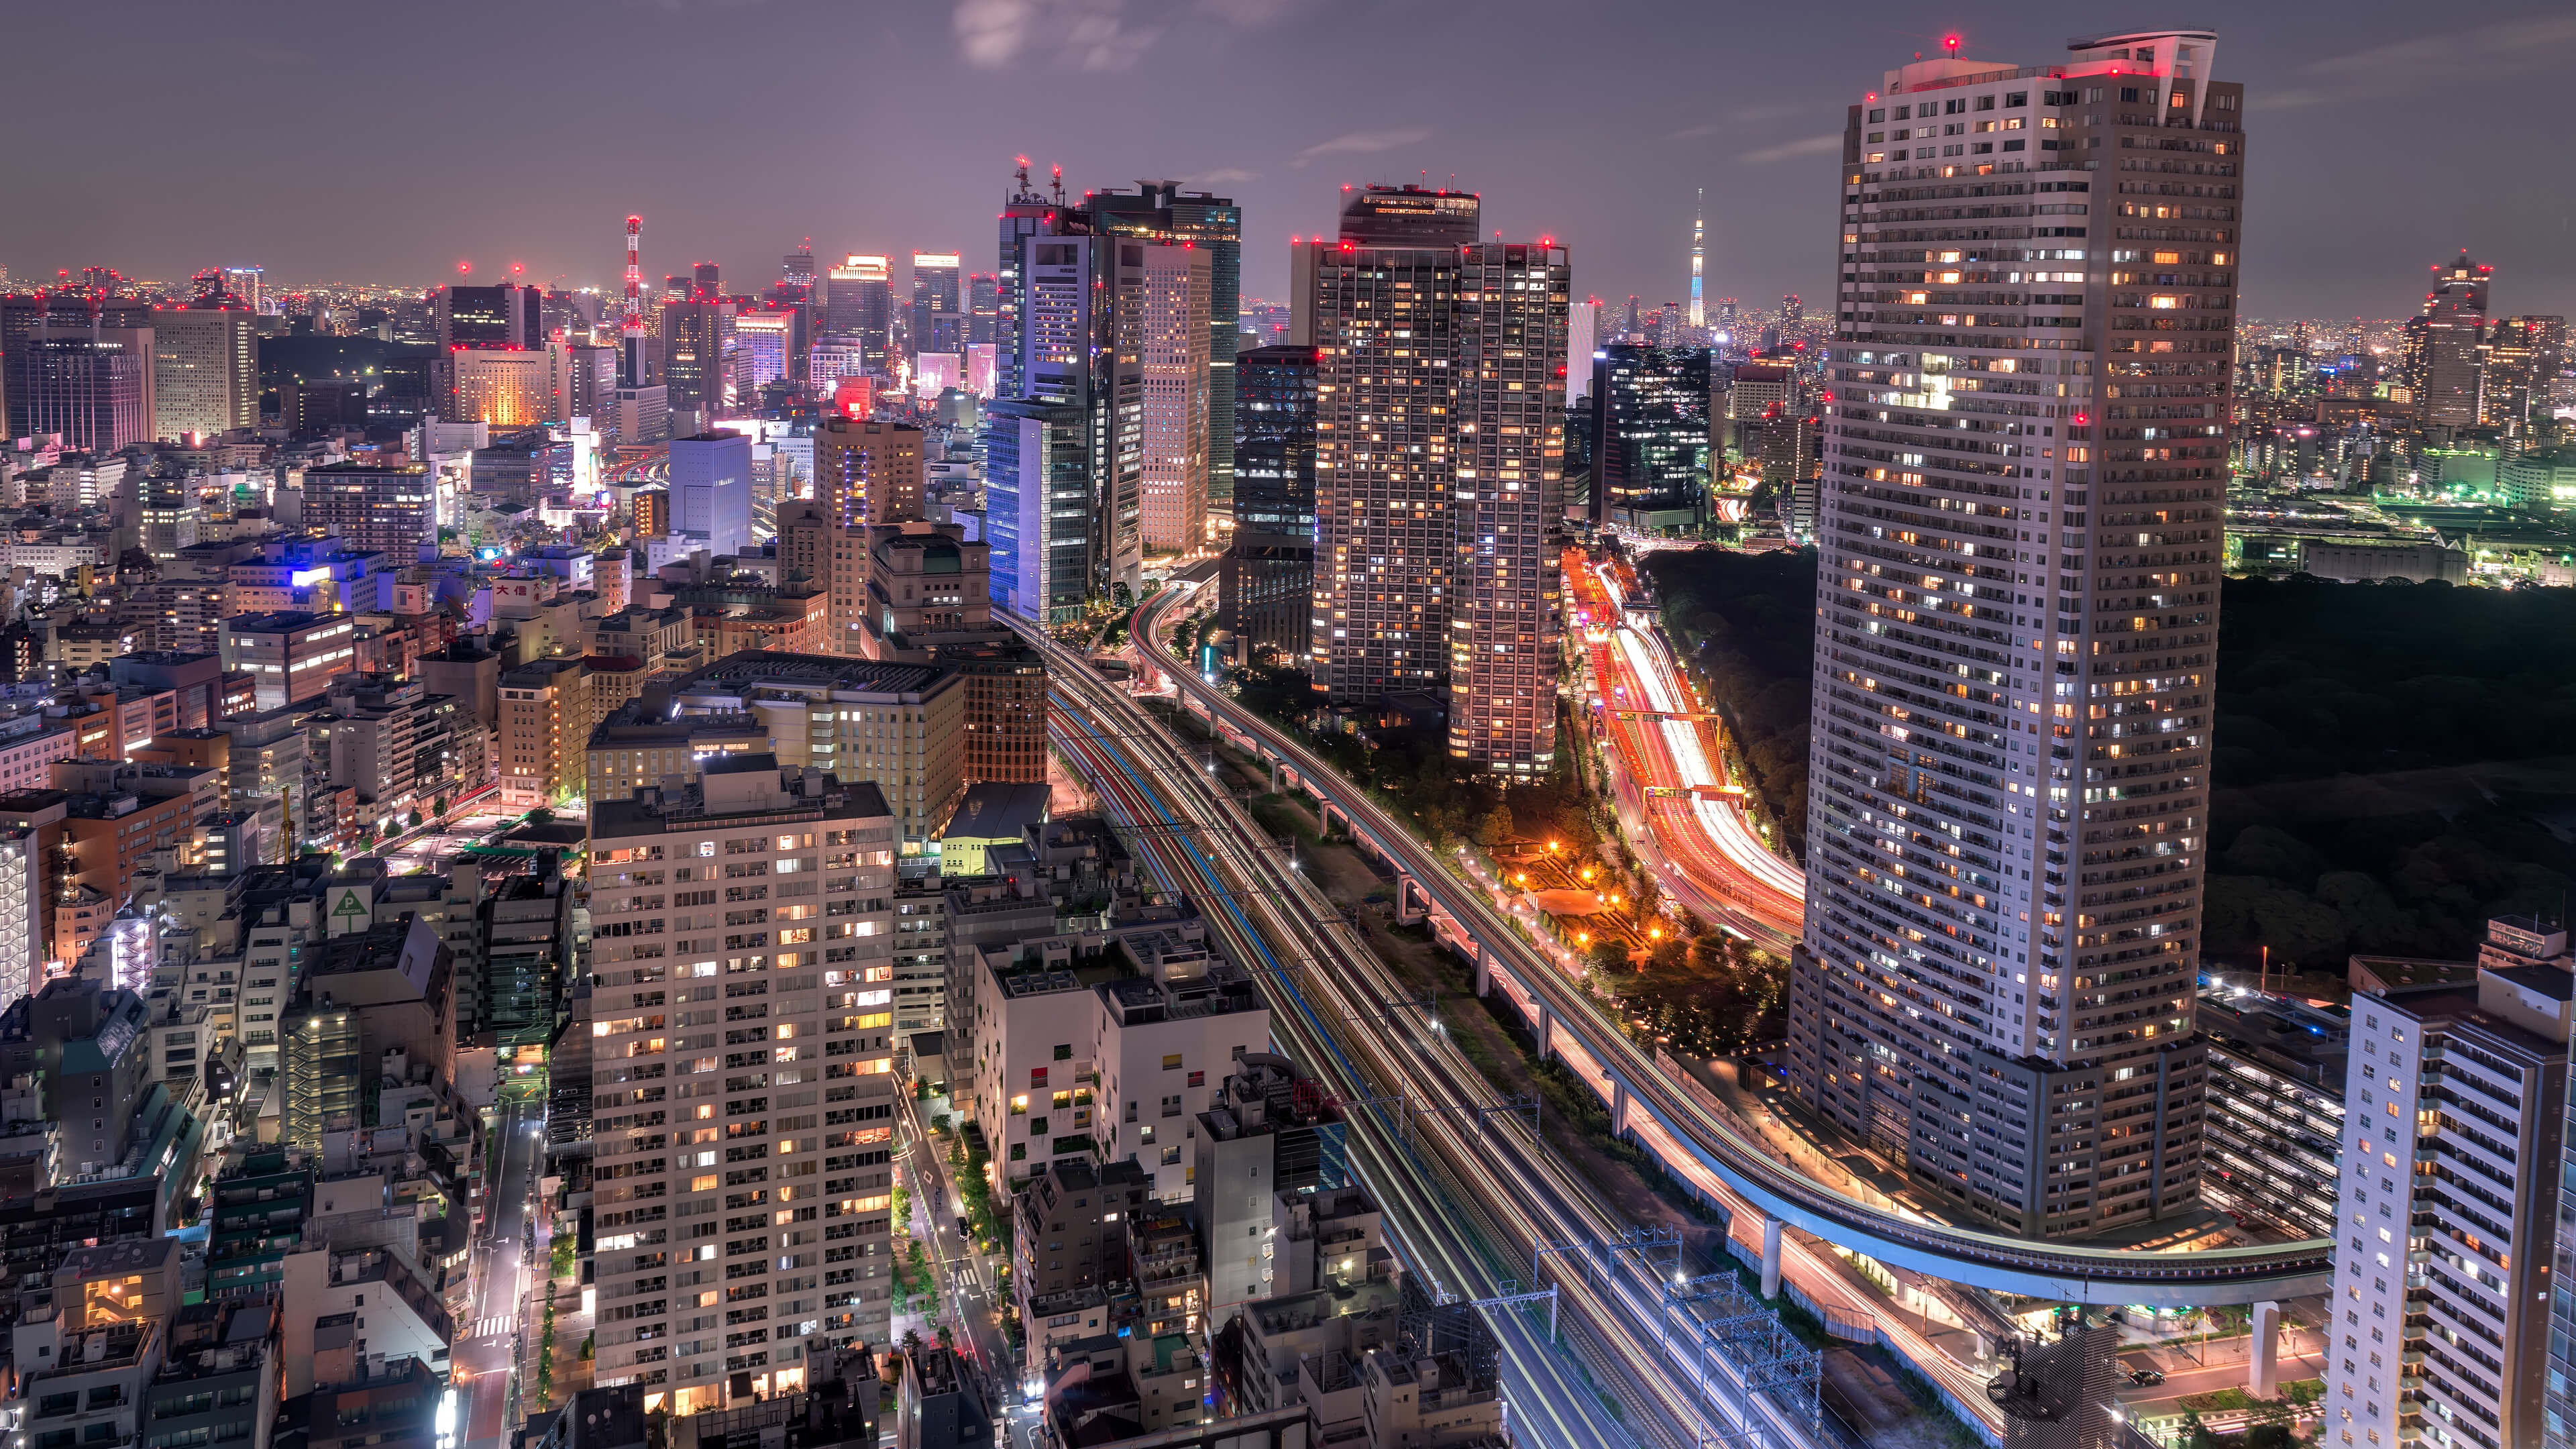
(2146, 1378)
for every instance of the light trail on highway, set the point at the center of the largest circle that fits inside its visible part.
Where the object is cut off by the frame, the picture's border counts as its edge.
(1511, 1194)
(1677, 768)
(1719, 1157)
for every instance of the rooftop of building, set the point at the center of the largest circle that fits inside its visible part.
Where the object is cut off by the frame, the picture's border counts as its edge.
(998, 811)
(95, 1350)
(276, 621)
(1291, 1313)
(211, 1338)
(108, 1260)
(754, 671)
(736, 789)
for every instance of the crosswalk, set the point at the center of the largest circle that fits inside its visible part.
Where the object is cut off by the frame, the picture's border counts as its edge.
(496, 1326)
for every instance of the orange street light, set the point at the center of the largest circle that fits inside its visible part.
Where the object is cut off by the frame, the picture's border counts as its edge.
(1654, 933)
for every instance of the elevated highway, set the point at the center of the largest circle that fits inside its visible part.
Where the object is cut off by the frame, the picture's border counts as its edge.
(1693, 1137)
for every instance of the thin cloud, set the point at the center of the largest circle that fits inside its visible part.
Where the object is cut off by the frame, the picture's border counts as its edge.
(1250, 14)
(1742, 116)
(1363, 143)
(1803, 146)
(1091, 35)
(2427, 62)
(1222, 176)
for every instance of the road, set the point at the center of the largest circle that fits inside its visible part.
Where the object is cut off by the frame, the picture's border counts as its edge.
(965, 1275)
(482, 1360)
(1469, 1200)
(1670, 771)
(1703, 1150)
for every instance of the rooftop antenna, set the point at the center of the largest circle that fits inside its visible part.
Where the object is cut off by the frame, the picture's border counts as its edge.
(1059, 186)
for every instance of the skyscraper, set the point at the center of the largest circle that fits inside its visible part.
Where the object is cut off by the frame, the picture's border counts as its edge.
(2442, 345)
(392, 508)
(938, 322)
(1651, 435)
(1581, 320)
(982, 308)
(1507, 507)
(1266, 592)
(1440, 445)
(711, 491)
(500, 316)
(92, 384)
(755, 815)
(693, 345)
(1160, 211)
(2009, 814)
(1384, 305)
(205, 367)
(1070, 289)
(1173, 330)
(859, 306)
(2448, 1206)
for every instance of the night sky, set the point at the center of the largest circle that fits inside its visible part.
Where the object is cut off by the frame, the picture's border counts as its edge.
(387, 142)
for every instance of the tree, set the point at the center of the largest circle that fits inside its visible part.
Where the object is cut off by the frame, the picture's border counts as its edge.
(1495, 828)
(1671, 953)
(416, 819)
(1610, 955)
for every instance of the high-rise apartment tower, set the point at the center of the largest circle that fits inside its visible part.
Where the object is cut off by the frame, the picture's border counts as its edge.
(2023, 469)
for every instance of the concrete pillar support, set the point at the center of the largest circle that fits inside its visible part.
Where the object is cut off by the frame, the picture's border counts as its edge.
(2263, 1356)
(1546, 1031)
(1771, 1257)
(1484, 969)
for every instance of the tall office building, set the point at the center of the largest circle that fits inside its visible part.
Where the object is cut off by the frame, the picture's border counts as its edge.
(1171, 328)
(1581, 321)
(797, 1105)
(1651, 436)
(2444, 345)
(695, 332)
(1026, 212)
(504, 315)
(711, 491)
(1266, 591)
(88, 382)
(859, 307)
(982, 308)
(867, 472)
(205, 367)
(938, 321)
(1160, 211)
(2448, 1208)
(2010, 810)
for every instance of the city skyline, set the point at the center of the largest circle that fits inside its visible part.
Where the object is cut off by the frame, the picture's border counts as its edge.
(1641, 130)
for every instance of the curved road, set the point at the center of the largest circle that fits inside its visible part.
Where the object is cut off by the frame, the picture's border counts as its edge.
(1516, 1194)
(1713, 1154)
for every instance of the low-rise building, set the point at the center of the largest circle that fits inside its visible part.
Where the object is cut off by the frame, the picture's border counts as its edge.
(2277, 1066)
(1106, 1044)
